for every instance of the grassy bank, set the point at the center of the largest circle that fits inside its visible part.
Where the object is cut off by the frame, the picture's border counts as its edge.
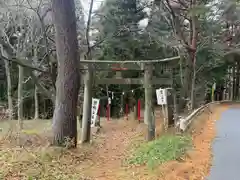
(164, 149)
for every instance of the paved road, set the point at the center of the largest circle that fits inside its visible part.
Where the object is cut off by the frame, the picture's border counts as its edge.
(226, 147)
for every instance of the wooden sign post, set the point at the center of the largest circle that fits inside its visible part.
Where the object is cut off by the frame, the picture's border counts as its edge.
(162, 100)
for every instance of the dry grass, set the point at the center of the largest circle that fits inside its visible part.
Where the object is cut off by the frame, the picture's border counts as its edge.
(197, 163)
(40, 163)
(101, 160)
(35, 159)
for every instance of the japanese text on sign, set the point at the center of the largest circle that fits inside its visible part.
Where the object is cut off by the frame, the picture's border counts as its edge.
(94, 111)
(161, 96)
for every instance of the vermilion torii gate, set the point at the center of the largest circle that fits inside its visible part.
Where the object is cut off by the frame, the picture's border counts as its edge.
(149, 71)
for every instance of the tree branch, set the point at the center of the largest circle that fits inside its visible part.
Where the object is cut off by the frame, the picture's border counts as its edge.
(88, 29)
(19, 62)
(177, 26)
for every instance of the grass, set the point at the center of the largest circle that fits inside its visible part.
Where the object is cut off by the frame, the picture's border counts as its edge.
(164, 149)
(38, 126)
(36, 159)
(41, 163)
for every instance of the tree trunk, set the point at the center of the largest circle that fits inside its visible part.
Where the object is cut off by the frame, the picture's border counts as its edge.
(193, 40)
(229, 83)
(68, 78)
(233, 83)
(9, 89)
(36, 116)
(187, 79)
(86, 122)
(237, 81)
(20, 96)
(193, 95)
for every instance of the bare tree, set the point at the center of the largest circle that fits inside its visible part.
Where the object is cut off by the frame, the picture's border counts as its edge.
(9, 84)
(68, 79)
(36, 103)
(21, 34)
(4, 53)
(20, 95)
(185, 30)
(86, 123)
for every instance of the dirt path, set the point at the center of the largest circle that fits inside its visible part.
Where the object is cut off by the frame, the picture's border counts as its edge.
(117, 137)
(108, 156)
(103, 160)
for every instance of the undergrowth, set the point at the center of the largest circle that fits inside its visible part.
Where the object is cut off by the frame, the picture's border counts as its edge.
(164, 149)
(35, 159)
(43, 163)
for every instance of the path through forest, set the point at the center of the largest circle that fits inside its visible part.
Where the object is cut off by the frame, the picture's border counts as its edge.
(105, 158)
(109, 155)
(117, 138)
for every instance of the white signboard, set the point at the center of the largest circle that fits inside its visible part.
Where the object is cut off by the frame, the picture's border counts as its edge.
(161, 96)
(94, 111)
(109, 100)
(214, 86)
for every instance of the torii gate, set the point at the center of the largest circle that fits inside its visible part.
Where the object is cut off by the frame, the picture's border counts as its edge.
(146, 66)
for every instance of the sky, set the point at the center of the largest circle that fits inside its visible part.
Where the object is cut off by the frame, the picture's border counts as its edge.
(86, 4)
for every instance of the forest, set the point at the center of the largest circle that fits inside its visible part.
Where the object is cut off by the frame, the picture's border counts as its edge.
(57, 55)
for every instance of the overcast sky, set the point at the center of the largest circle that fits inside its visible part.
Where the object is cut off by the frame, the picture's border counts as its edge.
(86, 5)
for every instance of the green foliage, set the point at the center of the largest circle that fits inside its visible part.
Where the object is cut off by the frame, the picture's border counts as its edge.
(122, 39)
(198, 10)
(121, 18)
(166, 148)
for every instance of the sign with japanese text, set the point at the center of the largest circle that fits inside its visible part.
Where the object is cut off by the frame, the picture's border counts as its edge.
(161, 96)
(94, 111)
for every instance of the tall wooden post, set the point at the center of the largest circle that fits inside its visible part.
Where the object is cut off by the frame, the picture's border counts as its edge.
(233, 82)
(149, 114)
(122, 106)
(175, 108)
(229, 83)
(87, 105)
(237, 80)
(175, 103)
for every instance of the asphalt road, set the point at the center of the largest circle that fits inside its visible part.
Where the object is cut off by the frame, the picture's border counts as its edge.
(226, 147)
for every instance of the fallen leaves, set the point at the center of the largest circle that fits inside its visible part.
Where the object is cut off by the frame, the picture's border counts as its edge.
(197, 163)
(103, 160)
